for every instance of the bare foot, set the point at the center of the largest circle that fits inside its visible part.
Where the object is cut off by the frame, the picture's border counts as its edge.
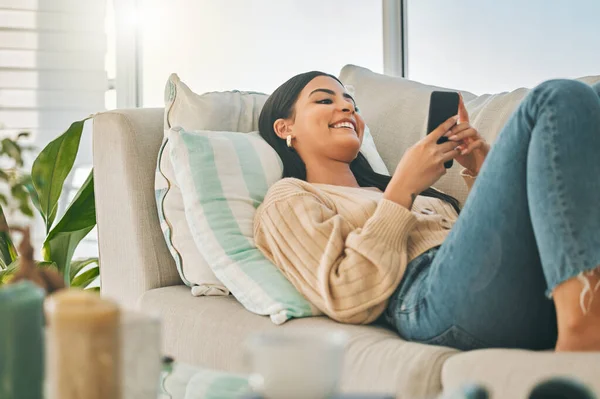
(578, 313)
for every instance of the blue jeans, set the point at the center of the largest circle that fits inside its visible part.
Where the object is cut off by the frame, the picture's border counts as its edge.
(531, 221)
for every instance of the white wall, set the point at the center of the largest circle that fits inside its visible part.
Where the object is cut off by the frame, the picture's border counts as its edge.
(254, 45)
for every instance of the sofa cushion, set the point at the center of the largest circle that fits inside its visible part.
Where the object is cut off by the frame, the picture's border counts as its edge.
(234, 111)
(396, 111)
(210, 332)
(224, 177)
(512, 373)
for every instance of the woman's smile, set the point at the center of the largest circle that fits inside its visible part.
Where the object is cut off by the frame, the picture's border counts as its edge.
(346, 123)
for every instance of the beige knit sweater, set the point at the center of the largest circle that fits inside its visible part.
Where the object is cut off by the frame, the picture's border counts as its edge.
(346, 249)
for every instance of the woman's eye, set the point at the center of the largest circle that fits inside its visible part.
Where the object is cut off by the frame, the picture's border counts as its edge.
(329, 101)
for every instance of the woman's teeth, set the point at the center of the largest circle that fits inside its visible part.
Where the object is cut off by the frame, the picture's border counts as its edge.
(343, 125)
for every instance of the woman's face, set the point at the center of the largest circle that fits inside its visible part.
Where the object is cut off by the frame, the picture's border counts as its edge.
(325, 123)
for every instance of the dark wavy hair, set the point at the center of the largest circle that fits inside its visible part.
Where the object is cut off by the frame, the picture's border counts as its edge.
(281, 104)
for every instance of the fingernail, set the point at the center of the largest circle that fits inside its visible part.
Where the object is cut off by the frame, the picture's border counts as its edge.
(463, 152)
(453, 137)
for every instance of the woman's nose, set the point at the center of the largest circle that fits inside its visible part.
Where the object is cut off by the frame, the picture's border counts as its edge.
(348, 108)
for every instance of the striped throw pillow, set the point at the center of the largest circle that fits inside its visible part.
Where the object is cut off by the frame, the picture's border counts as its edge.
(224, 177)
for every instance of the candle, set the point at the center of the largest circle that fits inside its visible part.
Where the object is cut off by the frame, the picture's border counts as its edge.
(140, 353)
(21, 341)
(83, 346)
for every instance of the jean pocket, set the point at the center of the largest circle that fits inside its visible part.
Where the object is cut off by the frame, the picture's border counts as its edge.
(456, 337)
(412, 300)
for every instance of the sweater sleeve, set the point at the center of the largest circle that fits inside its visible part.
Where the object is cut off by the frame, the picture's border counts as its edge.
(348, 273)
(468, 178)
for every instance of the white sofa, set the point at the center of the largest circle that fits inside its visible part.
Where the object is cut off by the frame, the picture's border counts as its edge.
(138, 271)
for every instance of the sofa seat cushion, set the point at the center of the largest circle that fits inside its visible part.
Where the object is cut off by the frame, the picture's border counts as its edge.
(210, 332)
(512, 373)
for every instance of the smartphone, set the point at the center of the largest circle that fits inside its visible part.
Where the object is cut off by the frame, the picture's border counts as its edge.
(442, 106)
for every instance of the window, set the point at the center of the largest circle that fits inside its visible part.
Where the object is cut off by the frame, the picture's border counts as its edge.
(489, 47)
(52, 72)
(253, 45)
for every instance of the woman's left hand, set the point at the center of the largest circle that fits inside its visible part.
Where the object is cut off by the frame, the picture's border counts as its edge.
(473, 147)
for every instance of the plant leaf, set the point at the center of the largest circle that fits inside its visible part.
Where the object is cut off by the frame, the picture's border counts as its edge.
(76, 223)
(28, 184)
(79, 264)
(85, 278)
(7, 273)
(13, 150)
(46, 264)
(51, 168)
(26, 209)
(8, 252)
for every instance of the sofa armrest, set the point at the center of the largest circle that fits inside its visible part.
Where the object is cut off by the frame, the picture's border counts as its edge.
(134, 257)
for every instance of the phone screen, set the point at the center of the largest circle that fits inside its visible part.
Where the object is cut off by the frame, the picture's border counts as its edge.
(442, 106)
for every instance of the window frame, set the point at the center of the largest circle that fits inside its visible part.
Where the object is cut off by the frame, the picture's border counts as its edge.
(395, 40)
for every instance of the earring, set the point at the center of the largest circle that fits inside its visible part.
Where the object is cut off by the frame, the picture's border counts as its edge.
(288, 139)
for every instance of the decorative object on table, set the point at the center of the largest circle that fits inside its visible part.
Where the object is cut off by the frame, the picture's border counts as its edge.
(21, 341)
(167, 370)
(49, 172)
(183, 381)
(176, 379)
(140, 354)
(561, 388)
(83, 346)
(336, 396)
(48, 279)
(281, 362)
(468, 391)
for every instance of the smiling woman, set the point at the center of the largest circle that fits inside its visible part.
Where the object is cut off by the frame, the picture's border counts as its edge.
(326, 128)
(359, 254)
(305, 108)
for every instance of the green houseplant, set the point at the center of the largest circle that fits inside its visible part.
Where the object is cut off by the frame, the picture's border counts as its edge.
(45, 186)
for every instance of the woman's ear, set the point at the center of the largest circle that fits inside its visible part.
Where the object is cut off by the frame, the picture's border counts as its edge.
(282, 128)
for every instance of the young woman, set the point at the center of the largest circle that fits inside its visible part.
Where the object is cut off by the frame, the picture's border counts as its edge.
(359, 245)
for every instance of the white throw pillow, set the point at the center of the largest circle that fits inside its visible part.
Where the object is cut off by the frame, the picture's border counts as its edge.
(230, 111)
(224, 177)
(233, 111)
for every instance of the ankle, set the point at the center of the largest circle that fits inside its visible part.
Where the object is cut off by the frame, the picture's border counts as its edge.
(578, 304)
(591, 284)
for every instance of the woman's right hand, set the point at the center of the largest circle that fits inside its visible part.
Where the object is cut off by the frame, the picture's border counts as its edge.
(421, 166)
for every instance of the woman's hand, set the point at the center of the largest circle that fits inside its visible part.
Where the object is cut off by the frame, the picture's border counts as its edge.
(421, 166)
(473, 148)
